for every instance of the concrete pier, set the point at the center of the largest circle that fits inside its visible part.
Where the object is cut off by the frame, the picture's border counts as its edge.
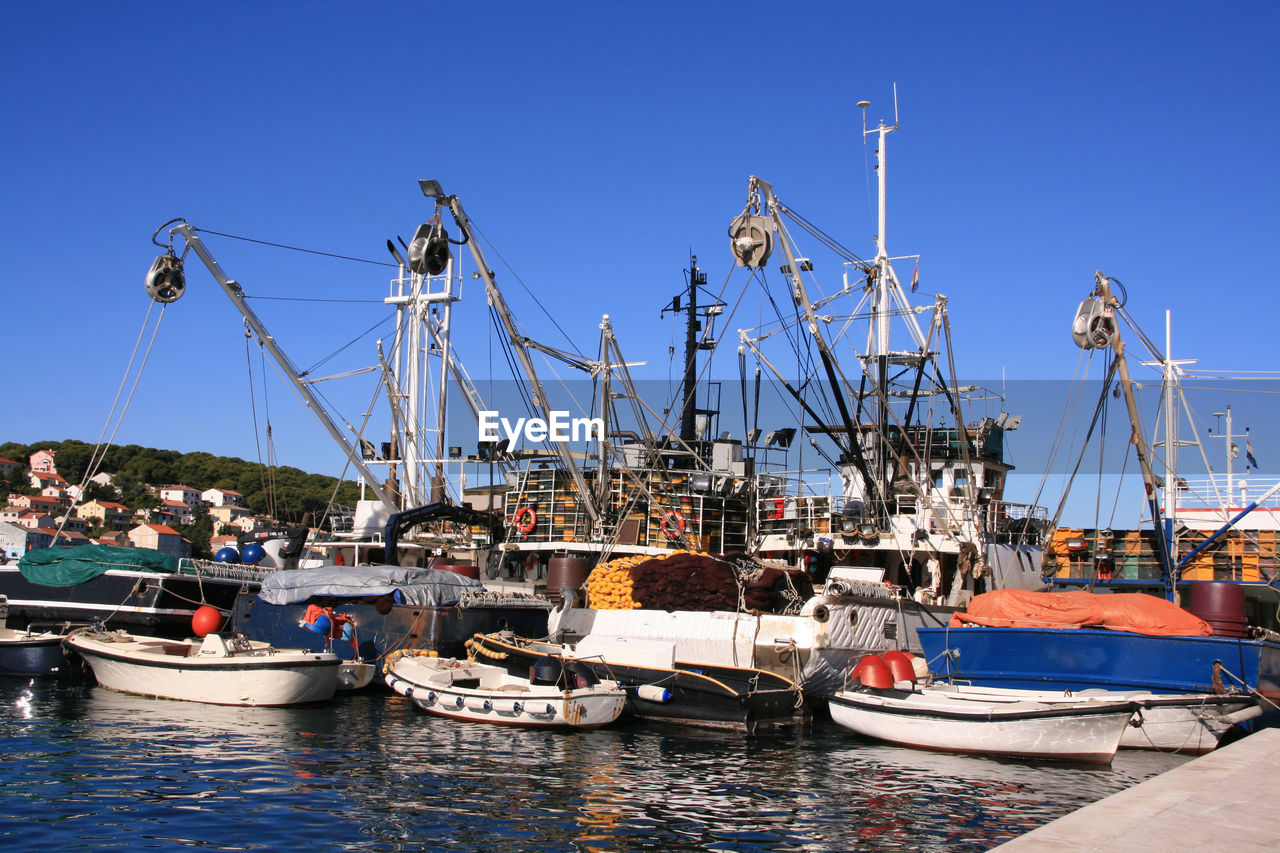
(1226, 800)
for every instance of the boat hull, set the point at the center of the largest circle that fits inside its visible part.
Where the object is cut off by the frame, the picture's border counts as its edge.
(701, 695)
(251, 675)
(436, 686)
(1085, 658)
(1187, 723)
(151, 603)
(24, 653)
(381, 629)
(1082, 732)
(815, 648)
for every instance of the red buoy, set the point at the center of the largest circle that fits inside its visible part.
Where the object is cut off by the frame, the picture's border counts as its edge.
(206, 620)
(900, 665)
(873, 672)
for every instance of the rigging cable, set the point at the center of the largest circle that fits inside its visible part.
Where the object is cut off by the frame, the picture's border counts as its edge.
(99, 453)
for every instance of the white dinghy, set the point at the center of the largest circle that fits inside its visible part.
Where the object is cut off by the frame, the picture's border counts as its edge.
(1085, 730)
(561, 697)
(220, 669)
(1189, 723)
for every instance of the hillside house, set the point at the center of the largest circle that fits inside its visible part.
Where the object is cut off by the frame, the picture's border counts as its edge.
(16, 541)
(107, 513)
(42, 461)
(45, 480)
(160, 537)
(36, 503)
(222, 497)
(181, 494)
(9, 469)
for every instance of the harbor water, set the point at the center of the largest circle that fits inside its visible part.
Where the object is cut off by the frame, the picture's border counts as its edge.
(91, 769)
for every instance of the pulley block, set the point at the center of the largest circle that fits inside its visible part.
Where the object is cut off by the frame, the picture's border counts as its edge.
(751, 239)
(166, 281)
(429, 249)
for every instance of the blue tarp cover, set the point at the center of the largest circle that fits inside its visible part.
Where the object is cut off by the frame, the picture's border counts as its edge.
(423, 587)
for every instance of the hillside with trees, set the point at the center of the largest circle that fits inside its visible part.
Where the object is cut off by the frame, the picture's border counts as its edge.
(287, 494)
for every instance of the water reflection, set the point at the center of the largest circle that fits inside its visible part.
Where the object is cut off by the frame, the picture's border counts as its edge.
(103, 769)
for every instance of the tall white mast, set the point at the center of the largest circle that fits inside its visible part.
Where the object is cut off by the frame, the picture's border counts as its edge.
(880, 332)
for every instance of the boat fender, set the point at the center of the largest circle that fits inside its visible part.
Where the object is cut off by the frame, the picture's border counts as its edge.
(431, 697)
(873, 672)
(458, 702)
(551, 709)
(653, 693)
(901, 666)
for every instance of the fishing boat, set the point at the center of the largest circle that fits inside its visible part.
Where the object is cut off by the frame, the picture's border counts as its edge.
(218, 669)
(33, 650)
(658, 686)
(1227, 636)
(565, 696)
(402, 569)
(134, 589)
(1087, 730)
(900, 523)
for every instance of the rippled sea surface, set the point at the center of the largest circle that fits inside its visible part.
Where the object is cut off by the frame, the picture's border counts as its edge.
(88, 768)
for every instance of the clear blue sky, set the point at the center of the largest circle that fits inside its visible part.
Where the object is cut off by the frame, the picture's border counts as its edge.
(596, 145)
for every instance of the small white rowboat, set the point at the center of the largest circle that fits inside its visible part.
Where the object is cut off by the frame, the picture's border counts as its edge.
(464, 690)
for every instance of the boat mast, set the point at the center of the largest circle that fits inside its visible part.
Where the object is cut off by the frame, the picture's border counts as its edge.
(236, 294)
(432, 190)
(1112, 337)
(689, 410)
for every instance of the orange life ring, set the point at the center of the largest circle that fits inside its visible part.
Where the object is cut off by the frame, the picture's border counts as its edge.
(778, 505)
(525, 519)
(672, 524)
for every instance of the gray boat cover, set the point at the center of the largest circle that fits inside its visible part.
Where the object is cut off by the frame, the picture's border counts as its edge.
(422, 587)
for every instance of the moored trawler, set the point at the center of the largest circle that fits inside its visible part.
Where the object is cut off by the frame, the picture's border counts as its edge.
(1211, 563)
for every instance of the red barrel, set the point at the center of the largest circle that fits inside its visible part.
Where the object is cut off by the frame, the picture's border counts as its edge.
(464, 569)
(1221, 605)
(562, 572)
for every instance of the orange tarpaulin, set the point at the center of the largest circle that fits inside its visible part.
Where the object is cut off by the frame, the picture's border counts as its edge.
(1123, 611)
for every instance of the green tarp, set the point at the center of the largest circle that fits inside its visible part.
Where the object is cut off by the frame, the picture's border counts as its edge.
(70, 566)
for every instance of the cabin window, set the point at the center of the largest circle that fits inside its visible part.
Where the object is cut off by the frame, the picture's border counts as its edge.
(991, 479)
(937, 477)
(961, 477)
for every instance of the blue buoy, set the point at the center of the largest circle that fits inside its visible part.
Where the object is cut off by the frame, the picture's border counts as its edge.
(227, 555)
(253, 554)
(321, 626)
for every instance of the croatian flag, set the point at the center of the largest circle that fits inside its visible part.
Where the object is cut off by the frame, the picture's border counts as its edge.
(1250, 462)
(915, 278)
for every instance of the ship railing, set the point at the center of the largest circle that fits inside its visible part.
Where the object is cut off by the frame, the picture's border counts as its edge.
(226, 571)
(1012, 523)
(1220, 492)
